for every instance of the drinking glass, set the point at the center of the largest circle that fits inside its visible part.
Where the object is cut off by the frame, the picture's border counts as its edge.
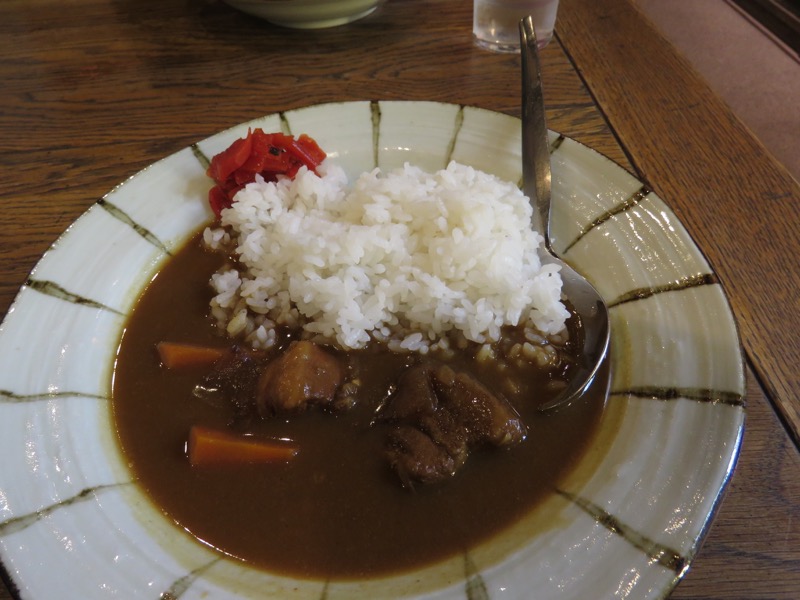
(495, 23)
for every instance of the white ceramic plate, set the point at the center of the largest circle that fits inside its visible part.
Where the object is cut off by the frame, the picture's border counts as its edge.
(626, 524)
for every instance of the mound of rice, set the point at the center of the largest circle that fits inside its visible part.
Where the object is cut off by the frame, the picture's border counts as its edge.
(406, 256)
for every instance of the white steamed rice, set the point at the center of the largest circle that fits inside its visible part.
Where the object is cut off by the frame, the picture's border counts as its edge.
(406, 256)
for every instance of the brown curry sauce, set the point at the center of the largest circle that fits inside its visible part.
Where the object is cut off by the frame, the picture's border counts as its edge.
(335, 511)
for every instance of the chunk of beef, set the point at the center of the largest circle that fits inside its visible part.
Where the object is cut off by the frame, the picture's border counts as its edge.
(414, 456)
(486, 416)
(414, 397)
(304, 374)
(438, 416)
(233, 381)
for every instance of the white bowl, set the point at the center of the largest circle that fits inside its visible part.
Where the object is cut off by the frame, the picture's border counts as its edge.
(307, 14)
(626, 523)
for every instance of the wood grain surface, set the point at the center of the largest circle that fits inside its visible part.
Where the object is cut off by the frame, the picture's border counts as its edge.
(91, 91)
(739, 205)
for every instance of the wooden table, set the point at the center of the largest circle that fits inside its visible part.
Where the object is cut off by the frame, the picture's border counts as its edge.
(91, 91)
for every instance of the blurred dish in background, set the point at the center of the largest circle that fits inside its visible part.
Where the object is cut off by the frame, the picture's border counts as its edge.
(307, 14)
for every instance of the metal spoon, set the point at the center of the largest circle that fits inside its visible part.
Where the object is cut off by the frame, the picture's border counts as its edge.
(536, 181)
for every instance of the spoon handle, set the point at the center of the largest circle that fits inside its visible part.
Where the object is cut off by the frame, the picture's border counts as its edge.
(536, 178)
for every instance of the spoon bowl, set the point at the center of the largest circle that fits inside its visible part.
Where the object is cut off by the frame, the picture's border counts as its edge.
(536, 184)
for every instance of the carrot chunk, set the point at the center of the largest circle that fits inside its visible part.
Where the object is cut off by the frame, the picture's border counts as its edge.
(210, 447)
(175, 355)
